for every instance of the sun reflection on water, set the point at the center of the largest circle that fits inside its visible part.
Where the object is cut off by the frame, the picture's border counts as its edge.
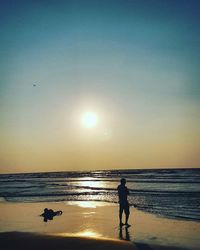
(91, 182)
(93, 190)
(84, 233)
(87, 204)
(89, 233)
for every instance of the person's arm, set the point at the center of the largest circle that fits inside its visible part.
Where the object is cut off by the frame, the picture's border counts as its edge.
(118, 190)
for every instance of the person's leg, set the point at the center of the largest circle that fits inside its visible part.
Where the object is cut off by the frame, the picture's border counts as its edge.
(120, 214)
(59, 212)
(127, 213)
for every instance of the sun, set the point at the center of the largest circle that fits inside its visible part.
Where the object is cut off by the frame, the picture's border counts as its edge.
(89, 119)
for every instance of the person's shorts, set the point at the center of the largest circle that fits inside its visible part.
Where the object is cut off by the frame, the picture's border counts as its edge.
(124, 207)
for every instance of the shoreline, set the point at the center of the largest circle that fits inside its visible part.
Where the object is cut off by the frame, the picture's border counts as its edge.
(97, 220)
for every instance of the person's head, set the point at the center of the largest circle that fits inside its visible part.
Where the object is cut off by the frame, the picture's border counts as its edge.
(123, 181)
(46, 210)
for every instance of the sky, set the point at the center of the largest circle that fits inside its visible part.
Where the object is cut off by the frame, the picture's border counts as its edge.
(133, 63)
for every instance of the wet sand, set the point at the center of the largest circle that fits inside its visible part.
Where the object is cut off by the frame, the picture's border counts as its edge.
(90, 225)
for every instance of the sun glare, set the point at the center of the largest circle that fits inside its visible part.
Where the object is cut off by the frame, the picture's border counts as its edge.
(89, 233)
(89, 119)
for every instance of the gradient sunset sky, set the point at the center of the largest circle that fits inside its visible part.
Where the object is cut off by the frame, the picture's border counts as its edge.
(134, 63)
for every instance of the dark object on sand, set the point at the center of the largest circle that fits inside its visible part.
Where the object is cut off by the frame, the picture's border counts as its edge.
(49, 214)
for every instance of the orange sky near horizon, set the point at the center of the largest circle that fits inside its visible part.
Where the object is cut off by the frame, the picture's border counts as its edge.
(133, 65)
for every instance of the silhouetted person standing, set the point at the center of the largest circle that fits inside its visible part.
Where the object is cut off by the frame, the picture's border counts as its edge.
(123, 202)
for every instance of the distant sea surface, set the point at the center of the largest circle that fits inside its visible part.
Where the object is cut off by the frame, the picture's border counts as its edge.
(172, 193)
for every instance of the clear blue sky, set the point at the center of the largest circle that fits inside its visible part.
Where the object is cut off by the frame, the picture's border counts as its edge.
(134, 63)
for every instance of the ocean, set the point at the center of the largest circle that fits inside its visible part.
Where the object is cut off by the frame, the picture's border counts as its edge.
(171, 193)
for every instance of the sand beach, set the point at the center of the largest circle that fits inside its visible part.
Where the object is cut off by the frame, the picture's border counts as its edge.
(91, 225)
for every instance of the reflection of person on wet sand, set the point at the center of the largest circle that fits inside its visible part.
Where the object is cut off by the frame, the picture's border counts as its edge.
(123, 202)
(49, 214)
(126, 236)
